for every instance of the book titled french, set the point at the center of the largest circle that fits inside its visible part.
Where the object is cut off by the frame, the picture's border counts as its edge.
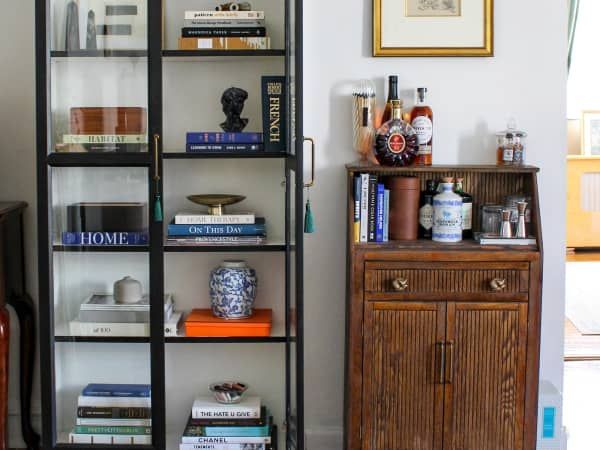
(208, 408)
(116, 390)
(189, 218)
(103, 238)
(258, 228)
(274, 113)
(208, 137)
(198, 148)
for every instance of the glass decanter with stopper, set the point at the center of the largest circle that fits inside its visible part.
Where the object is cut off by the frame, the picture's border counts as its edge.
(396, 140)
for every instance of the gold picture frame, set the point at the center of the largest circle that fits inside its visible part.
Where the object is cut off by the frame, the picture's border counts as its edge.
(590, 133)
(487, 27)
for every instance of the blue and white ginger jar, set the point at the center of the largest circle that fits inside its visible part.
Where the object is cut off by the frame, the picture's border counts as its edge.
(233, 290)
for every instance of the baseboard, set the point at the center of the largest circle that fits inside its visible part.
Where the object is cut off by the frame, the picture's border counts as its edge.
(324, 438)
(15, 440)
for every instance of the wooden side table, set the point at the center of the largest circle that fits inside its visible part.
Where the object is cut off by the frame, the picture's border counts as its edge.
(12, 292)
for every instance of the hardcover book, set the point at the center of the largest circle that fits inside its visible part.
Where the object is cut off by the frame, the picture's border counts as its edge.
(223, 138)
(379, 211)
(110, 439)
(225, 422)
(105, 138)
(225, 447)
(117, 413)
(219, 15)
(364, 207)
(274, 113)
(197, 148)
(93, 329)
(108, 429)
(218, 240)
(108, 120)
(114, 422)
(103, 308)
(226, 434)
(208, 407)
(101, 148)
(93, 401)
(257, 229)
(221, 23)
(224, 31)
(116, 390)
(102, 238)
(356, 223)
(372, 208)
(107, 216)
(225, 43)
(190, 218)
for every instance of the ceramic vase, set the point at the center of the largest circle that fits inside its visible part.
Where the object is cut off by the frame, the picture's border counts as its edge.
(233, 290)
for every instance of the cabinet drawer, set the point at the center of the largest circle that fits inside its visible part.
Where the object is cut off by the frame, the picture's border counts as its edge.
(386, 280)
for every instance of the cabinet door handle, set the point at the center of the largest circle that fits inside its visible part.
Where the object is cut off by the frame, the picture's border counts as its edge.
(400, 284)
(449, 369)
(440, 357)
(156, 151)
(311, 183)
(498, 284)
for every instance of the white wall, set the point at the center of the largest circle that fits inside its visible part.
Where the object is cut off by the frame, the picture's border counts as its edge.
(471, 99)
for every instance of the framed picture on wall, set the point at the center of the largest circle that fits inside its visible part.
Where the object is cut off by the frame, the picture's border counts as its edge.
(433, 27)
(590, 133)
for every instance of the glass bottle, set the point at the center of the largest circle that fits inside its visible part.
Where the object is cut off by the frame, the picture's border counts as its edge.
(421, 119)
(467, 209)
(392, 95)
(426, 209)
(447, 214)
(396, 140)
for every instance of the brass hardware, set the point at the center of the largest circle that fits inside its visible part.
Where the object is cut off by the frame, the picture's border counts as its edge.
(311, 183)
(498, 284)
(450, 362)
(156, 174)
(440, 357)
(400, 284)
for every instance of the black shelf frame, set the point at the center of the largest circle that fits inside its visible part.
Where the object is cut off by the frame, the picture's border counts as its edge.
(292, 247)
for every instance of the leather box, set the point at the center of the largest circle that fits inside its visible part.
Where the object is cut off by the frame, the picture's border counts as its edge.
(108, 217)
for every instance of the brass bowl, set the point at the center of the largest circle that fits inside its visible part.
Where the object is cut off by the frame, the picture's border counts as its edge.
(216, 202)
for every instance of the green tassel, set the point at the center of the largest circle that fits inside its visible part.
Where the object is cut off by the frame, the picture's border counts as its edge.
(309, 220)
(158, 215)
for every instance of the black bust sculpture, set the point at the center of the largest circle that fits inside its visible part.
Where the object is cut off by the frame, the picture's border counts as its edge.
(233, 103)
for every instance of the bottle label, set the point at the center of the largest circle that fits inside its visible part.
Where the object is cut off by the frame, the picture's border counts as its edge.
(426, 216)
(507, 154)
(467, 216)
(424, 128)
(424, 150)
(396, 143)
(447, 220)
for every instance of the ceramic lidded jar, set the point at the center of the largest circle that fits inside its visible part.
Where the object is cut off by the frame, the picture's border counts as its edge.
(127, 290)
(233, 290)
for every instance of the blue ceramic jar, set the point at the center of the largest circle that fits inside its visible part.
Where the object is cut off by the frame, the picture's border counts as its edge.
(233, 290)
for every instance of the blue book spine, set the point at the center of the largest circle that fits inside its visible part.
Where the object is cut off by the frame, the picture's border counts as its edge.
(103, 238)
(256, 229)
(223, 138)
(191, 148)
(386, 215)
(263, 431)
(116, 390)
(379, 213)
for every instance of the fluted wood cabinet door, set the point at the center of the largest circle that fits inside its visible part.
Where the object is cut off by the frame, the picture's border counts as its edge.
(485, 376)
(402, 394)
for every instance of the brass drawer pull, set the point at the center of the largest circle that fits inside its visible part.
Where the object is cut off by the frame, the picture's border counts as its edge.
(498, 284)
(400, 284)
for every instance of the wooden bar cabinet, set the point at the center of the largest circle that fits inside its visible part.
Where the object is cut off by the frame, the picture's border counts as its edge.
(442, 340)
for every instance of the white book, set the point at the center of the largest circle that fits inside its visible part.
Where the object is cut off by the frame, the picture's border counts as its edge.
(114, 402)
(364, 207)
(189, 218)
(92, 329)
(172, 325)
(220, 15)
(209, 408)
(221, 440)
(235, 23)
(110, 439)
(222, 446)
(84, 421)
(105, 139)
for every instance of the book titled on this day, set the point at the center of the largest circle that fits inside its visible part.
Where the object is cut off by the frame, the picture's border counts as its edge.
(208, 407)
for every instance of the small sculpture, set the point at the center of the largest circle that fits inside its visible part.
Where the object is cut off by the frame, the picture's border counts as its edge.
(90, 38)
(233, 103)
(72, 27)
(233, 6)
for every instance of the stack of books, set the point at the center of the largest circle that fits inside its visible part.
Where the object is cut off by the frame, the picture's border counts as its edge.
(371, 209)
(224, 30)
(208, 141)
(113, 414)
(206, 229)
(106, 130)
(242, 426)
(100, 315)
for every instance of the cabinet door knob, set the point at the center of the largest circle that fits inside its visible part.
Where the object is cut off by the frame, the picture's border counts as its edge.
(498, 284)
(400, 284)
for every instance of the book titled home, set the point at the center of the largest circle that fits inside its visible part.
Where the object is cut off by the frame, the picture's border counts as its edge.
(273, 111)
(101, 238)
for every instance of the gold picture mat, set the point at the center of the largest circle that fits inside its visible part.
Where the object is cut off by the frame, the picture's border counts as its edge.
(486, 50)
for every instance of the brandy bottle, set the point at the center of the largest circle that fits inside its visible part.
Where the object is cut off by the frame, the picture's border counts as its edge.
(396, 140)
(392, 95)
(421, 119)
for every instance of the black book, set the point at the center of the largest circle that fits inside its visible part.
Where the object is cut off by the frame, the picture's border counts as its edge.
(274, 113)
(88, 412)
(223, 32)
(103, 147)
(372, 208)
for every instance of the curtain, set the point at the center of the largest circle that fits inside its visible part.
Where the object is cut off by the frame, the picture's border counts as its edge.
(573, 13)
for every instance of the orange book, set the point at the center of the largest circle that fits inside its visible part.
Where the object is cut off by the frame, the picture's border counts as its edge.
(202, 323)
(225, 43)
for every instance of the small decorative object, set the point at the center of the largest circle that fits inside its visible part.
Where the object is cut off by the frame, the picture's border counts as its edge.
(590, 133)
(510, 145)
(90, 37)
(433, 27)
(521, 228)
(447, 214)
(491, 219)
(72, 27)
(363, 111)
(233, 290)
(396, 140)
(404, 208)
(512, 202)
(216, 202)
(506, 229)
(233, 6)
(233, 104)
(127, 290)
(228, 392)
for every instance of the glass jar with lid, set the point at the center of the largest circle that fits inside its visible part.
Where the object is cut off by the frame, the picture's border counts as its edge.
(510, 145)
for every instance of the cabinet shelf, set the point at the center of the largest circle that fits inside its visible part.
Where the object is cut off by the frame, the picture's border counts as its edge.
(103, 339)
(429, 245)
(223, 155)
(99, 159)
(180, 54)
(173, 248)
(99, 54)
(173, 340)
(100, 249)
